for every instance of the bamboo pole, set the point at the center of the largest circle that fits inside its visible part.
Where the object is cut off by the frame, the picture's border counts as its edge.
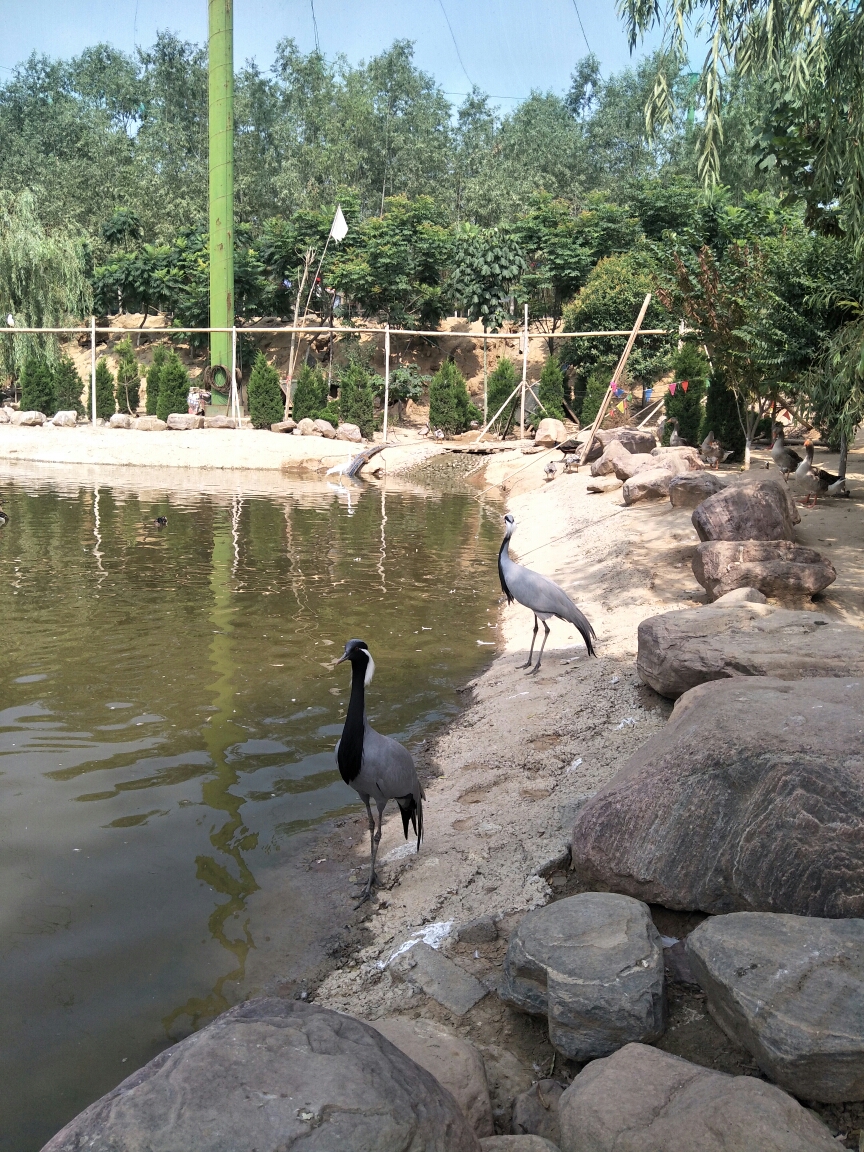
(498, 413)
(524, 382)
(221, 174)
(93, 370)
(485, 381)
(386, 377)
(180, 329)
(619, 368)
(235, 398)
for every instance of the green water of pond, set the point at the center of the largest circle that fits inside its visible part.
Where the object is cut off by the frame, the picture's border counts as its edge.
(168, 714)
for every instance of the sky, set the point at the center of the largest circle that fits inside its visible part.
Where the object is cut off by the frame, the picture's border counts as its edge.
(506, 47)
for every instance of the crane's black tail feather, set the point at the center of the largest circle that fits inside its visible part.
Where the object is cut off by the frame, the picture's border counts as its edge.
(583, 624)
(412, 813)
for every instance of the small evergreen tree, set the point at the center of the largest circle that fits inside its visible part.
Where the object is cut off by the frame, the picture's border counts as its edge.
(551, 391)
(266, 405)
(68, 387)
(500, 384)
(689, 364)
(160, 355)
(355, 398)
(450, 407)
(310, 395)
(721, 417)
(105, 407)
(38, 393)
(128, 390)
(595, 390)
(173, 387)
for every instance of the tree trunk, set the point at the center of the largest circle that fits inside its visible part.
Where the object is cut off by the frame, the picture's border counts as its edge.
(485, 383)
(748, 441)
(844, 452)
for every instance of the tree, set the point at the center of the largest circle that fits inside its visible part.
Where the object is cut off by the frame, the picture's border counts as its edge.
(355, 397)
(68, 386)
(406, 383)
(722, 416)
(551, 390)
(266, 404)
(128, 379)
(450, 408)
(685, 405)
(38, 393)
(105, 403)
(311, 393)
(154, 373)
(487, 264)
(173, 387)
(596, 387)
(835, 387)
(502, 381)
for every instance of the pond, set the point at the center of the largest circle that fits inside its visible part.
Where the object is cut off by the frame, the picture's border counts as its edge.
(168, 715)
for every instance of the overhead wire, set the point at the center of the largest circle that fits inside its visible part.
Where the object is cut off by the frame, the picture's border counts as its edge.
(455, 45)
(582, 26)
(315, 27)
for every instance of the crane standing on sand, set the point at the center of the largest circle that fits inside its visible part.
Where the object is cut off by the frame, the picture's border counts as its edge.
(540, 594)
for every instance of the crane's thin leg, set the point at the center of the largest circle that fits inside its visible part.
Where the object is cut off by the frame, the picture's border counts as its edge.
(542, 646)
(373, 845)
(533, 640)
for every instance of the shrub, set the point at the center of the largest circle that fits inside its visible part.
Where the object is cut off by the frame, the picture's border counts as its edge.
(355, 397)
(154, 372)
(266, 405)
(68, 387)
(721, 417)
(551, 391)
(38, 392)
(595, 390)
(128, 389)
(310, 395)
(500, 384)
(104, 390)
(689, 364)
(173, 387)
(449, 405)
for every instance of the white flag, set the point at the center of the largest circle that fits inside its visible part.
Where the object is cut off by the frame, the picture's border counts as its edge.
(338, 229)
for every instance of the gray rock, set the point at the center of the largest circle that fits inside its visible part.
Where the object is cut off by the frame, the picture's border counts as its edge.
(307, 427)
(284, 426)
(326, 429)
(550, 432)
(480, 931)
(678, 968)
(27, 419)
(790, 989)
(653, 484)
(349, 432)
(679, 650)
(517, 1144)
(455, 1063)
(605, 464)
(644, 1100)
(774, 567)
(5, 414)
(439, 978)
(605, 484)
(184, 422)
(507, 1077)
(120, 420)
(65, 419)
(219, 422)
(741, 596)
(635, 440)
(682, 452)
(535, 1112)
(760, 510)
(691, 488)
(593, 965)
(148, 424)
(271, 1076)
(740, 765)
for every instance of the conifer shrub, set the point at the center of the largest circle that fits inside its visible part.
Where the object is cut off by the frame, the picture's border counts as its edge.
(500, 384)
(105, 405)
(689, 364)
(128, 388)
(68, 387)
(160, 355)
(38, 393)
(266, 405)
(355, 397)
(173, 387)
(450, 407)
(721, 417)
(595, 390)
(551, 392)
(310, 395)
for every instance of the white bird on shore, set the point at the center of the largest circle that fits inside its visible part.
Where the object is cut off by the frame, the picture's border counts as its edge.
(550, 470)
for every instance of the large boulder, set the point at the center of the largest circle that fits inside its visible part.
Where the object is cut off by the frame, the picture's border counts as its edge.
(593, 965)
(349, 432)
(270, 1076)
(28, 419)
(66, 419)
(644, 1100)
(605, 464)
(683, 452)
(184, 421)
(653, 484)
(790, 989)
(5, 415)
(121, 420)
(691, 488)
(604, 484)
(326, 429)
(762, 510)
(774, 567)
(148, 424)
(307, 427)
(535, 1112)
(453, 1062)
(679, 650)
(219, 422)
(284, 426)
(633, 439)
(745, 770)
(550, 432)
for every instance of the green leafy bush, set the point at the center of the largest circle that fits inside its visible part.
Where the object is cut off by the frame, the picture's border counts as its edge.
(689, 364)
(68, 387)
(355, 397)
(128, 388)
(105, 407)
(38, 393)
(500, 384)
(595, 390)
(550, 392)
(160, 355)
(721, 417)
(173, 387)
(449, 405)
(310, 395)
(266, 405)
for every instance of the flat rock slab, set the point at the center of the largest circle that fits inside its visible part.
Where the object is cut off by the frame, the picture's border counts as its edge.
(518, 1144)
(759, 510)
(644, 1100)
(593, 965)
(220, 422)
(270, 1076)
(790, 989)
(690, 489)
(184, 422)
(439, 978)
(148, 424)
(652, 484)
(635, 440)
(746, 771)
(454, 1062)
(774, 567)
(605, 484)
(679, 650)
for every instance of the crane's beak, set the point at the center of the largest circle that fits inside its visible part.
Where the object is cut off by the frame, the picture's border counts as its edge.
(341, 659)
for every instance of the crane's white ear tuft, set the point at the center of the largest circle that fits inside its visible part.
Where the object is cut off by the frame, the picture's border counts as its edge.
(370, 668)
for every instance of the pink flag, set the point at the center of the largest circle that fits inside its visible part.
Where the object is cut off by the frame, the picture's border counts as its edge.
(672, 388)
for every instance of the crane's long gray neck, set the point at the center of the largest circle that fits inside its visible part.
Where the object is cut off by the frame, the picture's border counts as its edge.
(350, 757)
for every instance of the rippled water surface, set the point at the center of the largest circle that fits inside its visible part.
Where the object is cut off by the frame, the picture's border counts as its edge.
(168, 713)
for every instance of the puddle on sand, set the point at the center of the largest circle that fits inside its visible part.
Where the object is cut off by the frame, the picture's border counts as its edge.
(168, 714)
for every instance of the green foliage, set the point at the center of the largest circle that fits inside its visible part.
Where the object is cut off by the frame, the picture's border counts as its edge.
(128, 379)
(266, 405)
(722, 417)
(68, 386)
(310, 394)
(449, 405)
(38, 393)
(500, 384)
(596, 387)
(355, 397)
(173, 387)
(105, 403)
(406, 383)
(487, 265)
(154, 372)
(688, 363)
(551, 390)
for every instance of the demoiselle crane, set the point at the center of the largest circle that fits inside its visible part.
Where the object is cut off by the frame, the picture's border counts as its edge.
(375, 766)
(540, 594)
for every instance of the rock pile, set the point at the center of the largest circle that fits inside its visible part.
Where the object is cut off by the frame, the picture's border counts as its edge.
(774, 567)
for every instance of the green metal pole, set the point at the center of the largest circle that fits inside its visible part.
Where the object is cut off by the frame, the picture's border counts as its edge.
(221, 93)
